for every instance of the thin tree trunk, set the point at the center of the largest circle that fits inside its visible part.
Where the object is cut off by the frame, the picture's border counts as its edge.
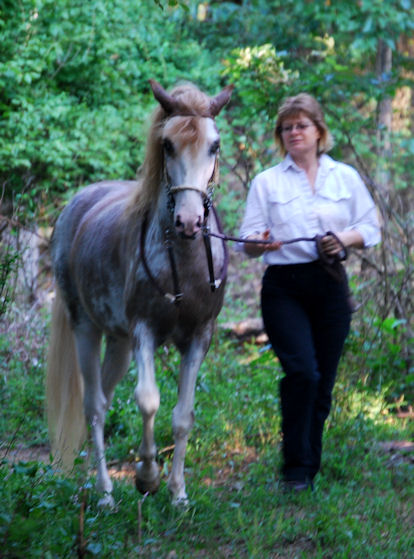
(384, 120)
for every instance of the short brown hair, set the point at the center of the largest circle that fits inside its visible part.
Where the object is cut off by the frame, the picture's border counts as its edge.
(303, 103)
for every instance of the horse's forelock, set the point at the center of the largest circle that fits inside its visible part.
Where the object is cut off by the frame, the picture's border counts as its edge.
(187, 129)
(190, 101)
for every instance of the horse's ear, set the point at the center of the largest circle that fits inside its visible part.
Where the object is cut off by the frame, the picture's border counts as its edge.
(167, 101)
(218, 102)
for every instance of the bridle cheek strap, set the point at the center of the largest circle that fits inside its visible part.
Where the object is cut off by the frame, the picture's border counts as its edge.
(215, 283)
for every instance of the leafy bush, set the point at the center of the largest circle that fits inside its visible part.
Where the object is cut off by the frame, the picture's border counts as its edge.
(75, 92)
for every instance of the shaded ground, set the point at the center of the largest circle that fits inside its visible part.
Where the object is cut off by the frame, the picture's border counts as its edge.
(398, 452)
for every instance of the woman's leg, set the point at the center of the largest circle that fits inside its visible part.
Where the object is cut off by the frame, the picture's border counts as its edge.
(307, 319)
(331, 324)
(290, 333)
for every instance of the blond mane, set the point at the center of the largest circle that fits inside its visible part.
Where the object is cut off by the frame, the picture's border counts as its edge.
(192, 103)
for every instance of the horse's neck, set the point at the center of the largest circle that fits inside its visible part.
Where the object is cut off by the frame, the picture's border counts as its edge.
(160, 218)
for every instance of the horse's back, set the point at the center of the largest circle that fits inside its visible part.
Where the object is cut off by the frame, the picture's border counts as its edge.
(83, 235)
(86, 199)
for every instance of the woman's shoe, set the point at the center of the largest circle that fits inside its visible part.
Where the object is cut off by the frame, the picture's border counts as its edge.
(296, 486)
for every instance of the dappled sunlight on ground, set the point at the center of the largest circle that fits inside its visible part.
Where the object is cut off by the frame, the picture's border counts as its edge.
(229, 467)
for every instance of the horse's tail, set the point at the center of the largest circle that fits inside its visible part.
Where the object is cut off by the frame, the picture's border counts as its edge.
(64, 389)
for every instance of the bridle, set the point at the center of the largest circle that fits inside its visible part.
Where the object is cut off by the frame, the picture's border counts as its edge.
(207, 198)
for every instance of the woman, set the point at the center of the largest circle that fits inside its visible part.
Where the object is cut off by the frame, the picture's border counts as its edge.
(305, 309)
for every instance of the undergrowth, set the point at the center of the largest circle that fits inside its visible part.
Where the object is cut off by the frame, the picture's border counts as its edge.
(362, 505)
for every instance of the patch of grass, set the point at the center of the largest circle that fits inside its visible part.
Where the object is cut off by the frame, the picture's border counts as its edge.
(362, 506)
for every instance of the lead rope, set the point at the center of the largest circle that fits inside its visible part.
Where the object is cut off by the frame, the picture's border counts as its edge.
(331, 264)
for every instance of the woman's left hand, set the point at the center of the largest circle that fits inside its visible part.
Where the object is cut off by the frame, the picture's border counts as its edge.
(331, 246)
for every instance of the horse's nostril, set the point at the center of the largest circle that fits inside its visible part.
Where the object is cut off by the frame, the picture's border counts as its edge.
(178, 223)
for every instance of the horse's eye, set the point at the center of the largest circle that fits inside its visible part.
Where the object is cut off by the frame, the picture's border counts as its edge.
(215, 146)
(168, 147)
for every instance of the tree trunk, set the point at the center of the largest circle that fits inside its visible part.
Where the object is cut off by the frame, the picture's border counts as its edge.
(384, 120)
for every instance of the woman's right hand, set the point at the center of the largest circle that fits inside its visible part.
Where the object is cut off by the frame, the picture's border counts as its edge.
(257, 249)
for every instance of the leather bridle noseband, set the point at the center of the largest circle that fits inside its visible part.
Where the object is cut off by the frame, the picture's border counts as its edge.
(207, 197)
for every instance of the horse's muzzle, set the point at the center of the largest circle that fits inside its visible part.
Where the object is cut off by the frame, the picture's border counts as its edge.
(188, 230)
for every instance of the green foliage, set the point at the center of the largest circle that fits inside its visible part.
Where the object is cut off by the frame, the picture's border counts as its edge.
(362, 505)
(378, 355)
(335, 62)
(21, 382)
(75, 93)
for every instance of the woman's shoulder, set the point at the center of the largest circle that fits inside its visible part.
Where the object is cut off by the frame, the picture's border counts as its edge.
(269, 176)
(340, 168)
(340, 180)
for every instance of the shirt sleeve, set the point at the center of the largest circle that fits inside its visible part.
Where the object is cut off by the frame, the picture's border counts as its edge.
(255, 216)
(364, 214)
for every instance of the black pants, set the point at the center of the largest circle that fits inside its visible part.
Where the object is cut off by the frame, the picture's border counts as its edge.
(307, 318)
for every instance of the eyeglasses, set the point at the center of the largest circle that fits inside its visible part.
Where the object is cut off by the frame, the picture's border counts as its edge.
(298, 126)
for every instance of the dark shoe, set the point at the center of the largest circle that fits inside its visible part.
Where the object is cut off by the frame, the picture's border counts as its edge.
(295, 486)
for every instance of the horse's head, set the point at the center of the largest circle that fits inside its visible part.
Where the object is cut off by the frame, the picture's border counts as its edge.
(190, 142)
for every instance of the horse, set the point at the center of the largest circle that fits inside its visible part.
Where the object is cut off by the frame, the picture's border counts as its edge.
(134, 265)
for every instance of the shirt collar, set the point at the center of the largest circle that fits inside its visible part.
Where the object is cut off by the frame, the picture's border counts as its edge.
(288, 163)
(326, 163)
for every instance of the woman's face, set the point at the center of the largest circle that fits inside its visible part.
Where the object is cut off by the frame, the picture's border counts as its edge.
(300, 135)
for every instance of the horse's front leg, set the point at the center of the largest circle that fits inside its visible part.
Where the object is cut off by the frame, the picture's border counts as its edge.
(147, 476)
(183, 413)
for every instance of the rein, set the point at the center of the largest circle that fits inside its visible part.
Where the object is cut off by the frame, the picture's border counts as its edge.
(215, 283)
(332, 264)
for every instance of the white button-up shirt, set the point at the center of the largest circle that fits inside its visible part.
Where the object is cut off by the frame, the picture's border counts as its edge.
(281, 199)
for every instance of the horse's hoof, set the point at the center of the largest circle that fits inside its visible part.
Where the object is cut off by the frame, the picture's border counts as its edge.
(179, 497)
(181, 503)
(147, 480)
(107, 501)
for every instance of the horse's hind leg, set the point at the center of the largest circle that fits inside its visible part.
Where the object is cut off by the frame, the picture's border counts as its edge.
(88, 344)
(147, 395)
(115, 365)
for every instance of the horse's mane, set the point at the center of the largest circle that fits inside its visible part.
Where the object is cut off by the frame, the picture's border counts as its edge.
(192, 102)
